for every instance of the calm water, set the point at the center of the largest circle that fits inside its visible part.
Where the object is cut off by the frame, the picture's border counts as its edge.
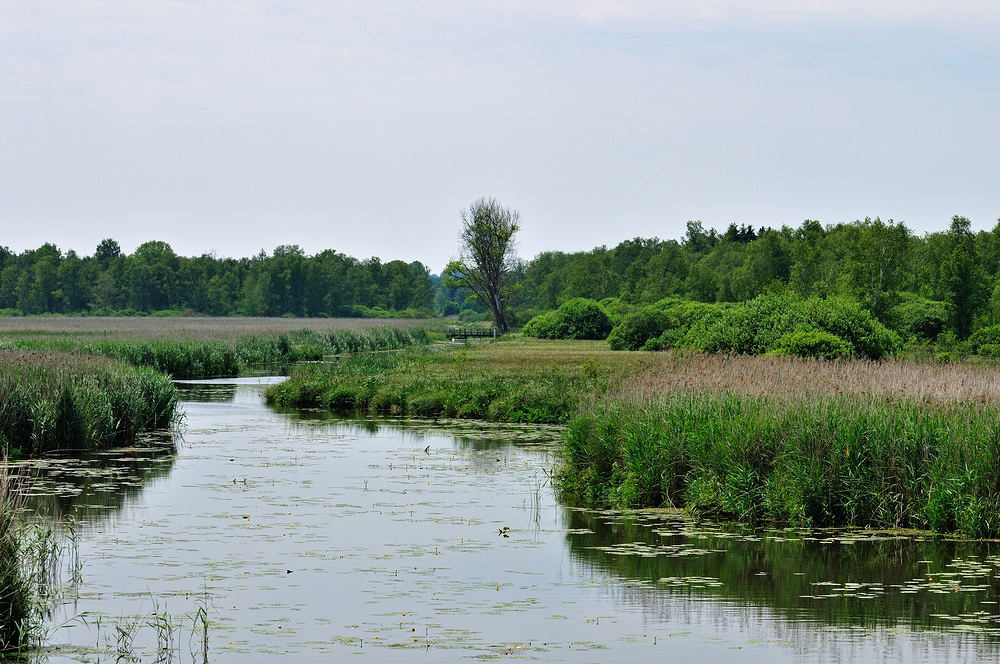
(403, 540)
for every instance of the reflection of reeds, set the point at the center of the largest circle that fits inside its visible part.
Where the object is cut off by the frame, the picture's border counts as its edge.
(61, 401)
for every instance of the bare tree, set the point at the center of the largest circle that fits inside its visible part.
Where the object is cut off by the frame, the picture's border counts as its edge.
(487, 261)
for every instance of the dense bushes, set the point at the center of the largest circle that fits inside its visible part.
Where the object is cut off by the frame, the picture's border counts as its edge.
(62, 401)
(578, 318)
(775, 322)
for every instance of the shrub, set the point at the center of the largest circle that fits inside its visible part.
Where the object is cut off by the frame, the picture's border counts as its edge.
(578, 318)
(757, 326)
(637, 328)
(980, 340)
(543, 326)
(814, 343)
(919, 317)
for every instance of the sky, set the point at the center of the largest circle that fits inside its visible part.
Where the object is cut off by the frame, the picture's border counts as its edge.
(366, 126)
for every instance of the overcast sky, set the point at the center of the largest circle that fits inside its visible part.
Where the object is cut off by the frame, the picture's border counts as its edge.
(367, 126)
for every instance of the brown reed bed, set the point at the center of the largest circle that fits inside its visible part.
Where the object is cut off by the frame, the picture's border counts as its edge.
(791, 378)
(91, 328)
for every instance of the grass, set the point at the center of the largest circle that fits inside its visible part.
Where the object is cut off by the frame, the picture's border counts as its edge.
(517, 380)
(812, 443)
(16, 602)
(211, 353)
(53, 401)
(28, 568)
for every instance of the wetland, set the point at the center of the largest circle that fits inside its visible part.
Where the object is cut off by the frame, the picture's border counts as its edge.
(256, 531)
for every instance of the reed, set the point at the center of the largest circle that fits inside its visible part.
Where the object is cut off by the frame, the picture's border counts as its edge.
(16, 602)
(812, 443)
(52, 401)
(479, 383)
(222, 358)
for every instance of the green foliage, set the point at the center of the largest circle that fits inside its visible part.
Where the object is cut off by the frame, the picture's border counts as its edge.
(811, 462)
(758, 326)
(985, 341)
(637, 328)
(578, 318)
(59, 401)
(919, 317)
(814, 343)
(185, 359)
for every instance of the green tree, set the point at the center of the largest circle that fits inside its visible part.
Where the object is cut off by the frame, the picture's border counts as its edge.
(877, 264)
(965, 281)
(488, 263)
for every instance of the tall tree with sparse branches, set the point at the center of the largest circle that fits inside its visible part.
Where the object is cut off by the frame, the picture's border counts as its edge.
(487, 261)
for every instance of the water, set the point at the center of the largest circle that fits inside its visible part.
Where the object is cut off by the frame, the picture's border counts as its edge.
(406, 540)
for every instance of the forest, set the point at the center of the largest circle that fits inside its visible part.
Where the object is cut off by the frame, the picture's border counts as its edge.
(921, 286)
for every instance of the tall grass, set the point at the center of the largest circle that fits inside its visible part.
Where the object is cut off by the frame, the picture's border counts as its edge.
(69, 402)
(29, 566)
(16, 605)
(218, 358)
(794, 442)
(438, 384)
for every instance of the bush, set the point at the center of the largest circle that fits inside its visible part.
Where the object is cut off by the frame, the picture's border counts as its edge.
(979, 342)
(578, 318)
(759, 325)
(637, 328)
(919, 317)
(814, 343)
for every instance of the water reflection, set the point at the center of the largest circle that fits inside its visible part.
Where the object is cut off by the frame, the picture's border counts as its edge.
(846, 579)
(96, 487)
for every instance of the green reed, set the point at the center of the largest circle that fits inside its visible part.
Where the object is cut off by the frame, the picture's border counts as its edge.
(437, 384)
(818, 460)
(70, 402)
(222, 358)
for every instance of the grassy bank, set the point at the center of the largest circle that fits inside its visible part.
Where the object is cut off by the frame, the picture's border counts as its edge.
(53, 401)
(797, 442)
(188, 358)
(518, 380)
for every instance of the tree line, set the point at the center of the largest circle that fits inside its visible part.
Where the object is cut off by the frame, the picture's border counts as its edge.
(155, 279)
(920, 285)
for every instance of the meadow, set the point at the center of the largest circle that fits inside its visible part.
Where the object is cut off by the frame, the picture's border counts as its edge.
(514, 380)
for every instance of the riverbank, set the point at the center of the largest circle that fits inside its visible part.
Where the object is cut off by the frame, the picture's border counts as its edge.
(779, 440)
(793, 442)
(516, 380)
